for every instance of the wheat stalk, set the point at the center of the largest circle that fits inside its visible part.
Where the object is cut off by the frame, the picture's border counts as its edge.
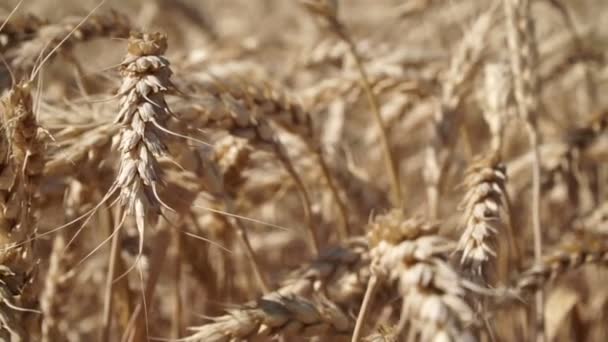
(524, 58)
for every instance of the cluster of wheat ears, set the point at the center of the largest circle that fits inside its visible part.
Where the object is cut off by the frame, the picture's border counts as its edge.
(306, 170)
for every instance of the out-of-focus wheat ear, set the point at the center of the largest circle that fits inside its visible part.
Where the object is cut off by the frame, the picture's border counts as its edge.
(590, 84)
(486, 220)
(496, 95)
(327, 10)
(523, 52)
(284, 111)
(54, 287)
(221, 110)
(17, 30)
(446, 121)
(414, 256)
(339, 273)
(25, 56)
(276, 315)
(21, 167)
(560, 261)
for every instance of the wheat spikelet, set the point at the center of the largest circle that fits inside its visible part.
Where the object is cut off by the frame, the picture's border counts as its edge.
(486, 216)
(277, 106)
(338, 275)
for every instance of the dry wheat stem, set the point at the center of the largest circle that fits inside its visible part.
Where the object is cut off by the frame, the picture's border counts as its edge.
(372, 286)
(524, 55)
(115, 247)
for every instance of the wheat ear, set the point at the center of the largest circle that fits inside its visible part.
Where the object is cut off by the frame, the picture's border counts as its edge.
(561, 260)
(142, 116)
(21, 167)
(410, 253)
(486, 217)
(276, 315)
(25, 56)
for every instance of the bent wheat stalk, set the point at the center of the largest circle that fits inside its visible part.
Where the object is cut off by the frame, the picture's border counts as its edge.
(328, 11)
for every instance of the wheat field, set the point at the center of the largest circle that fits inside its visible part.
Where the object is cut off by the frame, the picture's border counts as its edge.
(303, 170)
